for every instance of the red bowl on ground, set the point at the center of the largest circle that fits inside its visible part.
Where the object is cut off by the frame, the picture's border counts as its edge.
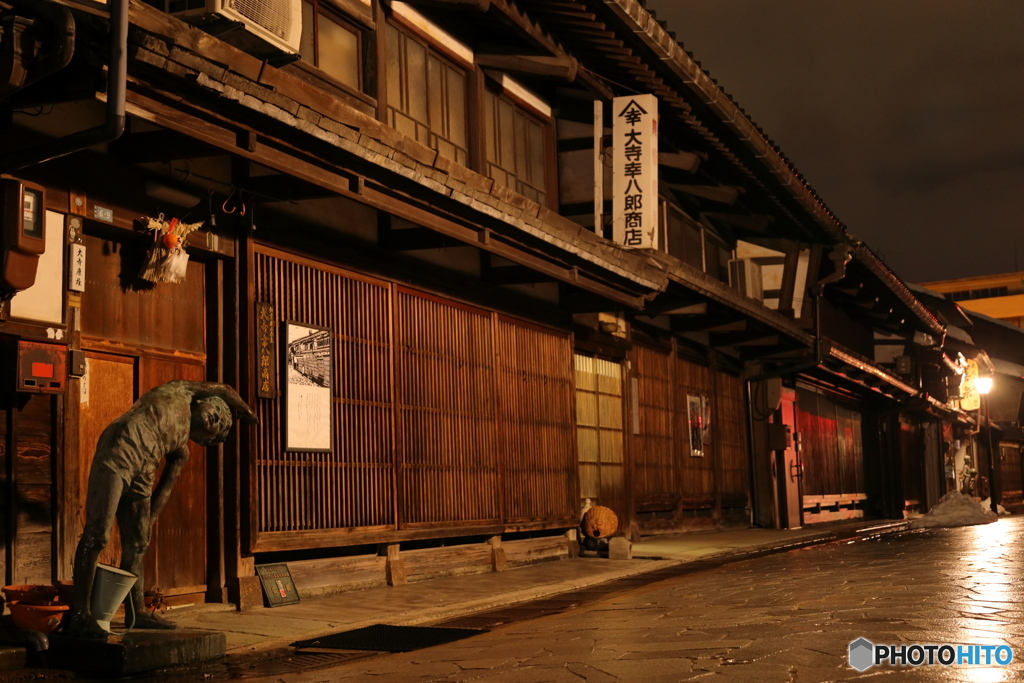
(42, 616)
(33, 592)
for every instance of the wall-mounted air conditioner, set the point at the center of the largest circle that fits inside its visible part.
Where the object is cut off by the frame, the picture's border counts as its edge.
(745, 277)
(261, 27)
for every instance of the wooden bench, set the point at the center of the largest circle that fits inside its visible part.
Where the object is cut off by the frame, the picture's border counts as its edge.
(833, 507)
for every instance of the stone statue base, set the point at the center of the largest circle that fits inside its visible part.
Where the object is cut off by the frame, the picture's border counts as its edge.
(135, 652)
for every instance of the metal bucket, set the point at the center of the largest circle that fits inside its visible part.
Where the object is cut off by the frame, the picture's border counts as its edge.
(109, 590)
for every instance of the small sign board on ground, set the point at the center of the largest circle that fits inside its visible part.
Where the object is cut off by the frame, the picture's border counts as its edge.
(278, 587)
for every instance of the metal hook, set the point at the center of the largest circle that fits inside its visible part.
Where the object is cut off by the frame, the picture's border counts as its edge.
(229, 207)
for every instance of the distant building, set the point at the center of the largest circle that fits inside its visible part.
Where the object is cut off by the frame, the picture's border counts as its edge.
(997, 296)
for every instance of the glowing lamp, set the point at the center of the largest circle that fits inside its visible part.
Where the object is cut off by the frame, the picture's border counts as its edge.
(983, 385)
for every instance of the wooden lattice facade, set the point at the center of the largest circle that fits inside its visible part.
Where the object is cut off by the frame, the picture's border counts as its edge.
(674, 475)
(447, 416)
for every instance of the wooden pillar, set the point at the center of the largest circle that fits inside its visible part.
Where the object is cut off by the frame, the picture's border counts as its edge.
(10, 450)
(216, 551)
(394, 569)
(475, 122)
(379, 75)
(243, 587)
(789, 269)
(71, 498)
(716, 440)
(573, 538)
(498, 561)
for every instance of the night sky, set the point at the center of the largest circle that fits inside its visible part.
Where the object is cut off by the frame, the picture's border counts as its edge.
(906, 116)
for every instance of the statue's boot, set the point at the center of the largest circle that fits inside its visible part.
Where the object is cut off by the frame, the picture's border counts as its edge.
(150, 620)
(82, 625)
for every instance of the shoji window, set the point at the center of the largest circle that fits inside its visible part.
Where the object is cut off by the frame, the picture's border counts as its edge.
(426, 95)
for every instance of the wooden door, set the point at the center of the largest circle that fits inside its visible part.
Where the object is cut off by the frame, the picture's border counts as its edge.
(176, 561)
(137, 336)
(790, 467)
(108, 390)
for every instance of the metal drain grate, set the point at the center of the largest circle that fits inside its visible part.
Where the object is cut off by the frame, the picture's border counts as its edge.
(385, 638)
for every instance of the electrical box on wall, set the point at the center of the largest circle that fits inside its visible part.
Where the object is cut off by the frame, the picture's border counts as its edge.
(42, 368)
(22, 234)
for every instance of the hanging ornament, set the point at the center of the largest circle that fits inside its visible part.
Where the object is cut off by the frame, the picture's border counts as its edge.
(167, 260)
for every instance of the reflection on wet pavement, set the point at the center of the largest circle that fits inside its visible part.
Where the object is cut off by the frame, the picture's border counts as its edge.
(785, 617)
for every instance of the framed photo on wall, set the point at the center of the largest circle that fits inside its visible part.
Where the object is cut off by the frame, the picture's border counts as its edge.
(308, 363)
(695, 418)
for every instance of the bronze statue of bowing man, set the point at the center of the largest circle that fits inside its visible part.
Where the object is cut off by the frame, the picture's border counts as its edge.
(128, 454)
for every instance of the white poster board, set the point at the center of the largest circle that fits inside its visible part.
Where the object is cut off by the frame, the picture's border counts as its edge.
(635, 171)
(308, 359)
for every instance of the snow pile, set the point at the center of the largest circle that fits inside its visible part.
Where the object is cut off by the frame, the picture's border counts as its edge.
(987, 505)
(954, 509)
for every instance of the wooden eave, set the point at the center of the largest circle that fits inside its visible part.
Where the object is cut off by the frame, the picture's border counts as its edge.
(613, 50)
(636, 50)
(860, 378)
(864, 371)
(928, 322)
(691, 285)
(504, 21)
(842, 362)
(184, 73)
(871, 293)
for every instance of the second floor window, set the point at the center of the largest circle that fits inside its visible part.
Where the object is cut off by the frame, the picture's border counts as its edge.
(516, 147)
(693, 244)
(330, 44)
(426, 95)
(684, 238)
(716, 257)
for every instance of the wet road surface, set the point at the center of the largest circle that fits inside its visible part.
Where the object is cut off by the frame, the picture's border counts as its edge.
(783, 617)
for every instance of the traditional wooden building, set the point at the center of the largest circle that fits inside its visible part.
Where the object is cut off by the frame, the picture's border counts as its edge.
(405, 263)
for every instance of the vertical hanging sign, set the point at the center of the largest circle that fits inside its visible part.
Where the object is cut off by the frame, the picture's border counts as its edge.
(76, 268)
(266, 350)
(635, 184)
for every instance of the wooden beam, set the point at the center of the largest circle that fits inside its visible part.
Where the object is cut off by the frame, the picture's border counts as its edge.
(748, 338)
(684, 161)
(479, 5)
(159, 146)
(691, 309)
(779, 353)
(868, 302)
(513, 16)
(788, 288)
(723, 194)
(707, 323)
(751, 222)
(562, 67)
(283, 188)
(286, 158)
(415, 239)
(515, 275)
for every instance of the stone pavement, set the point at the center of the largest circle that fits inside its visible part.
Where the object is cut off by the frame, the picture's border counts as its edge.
(781, 617)
(419, 603)
(264, 630)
